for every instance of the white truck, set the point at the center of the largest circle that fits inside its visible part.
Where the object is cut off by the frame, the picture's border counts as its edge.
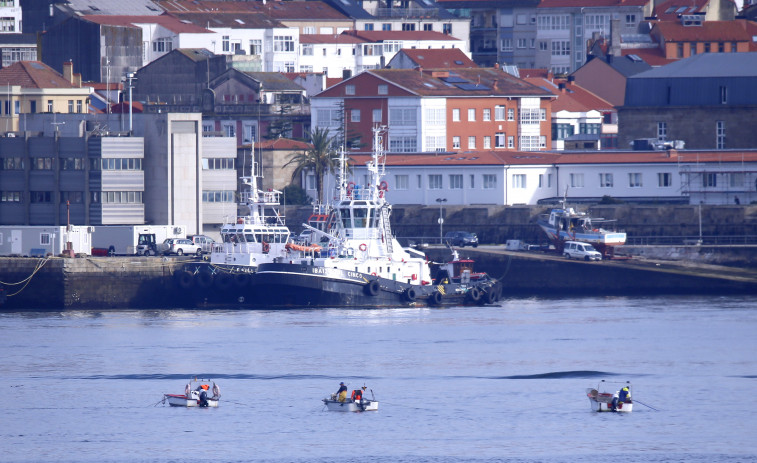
(141, 240)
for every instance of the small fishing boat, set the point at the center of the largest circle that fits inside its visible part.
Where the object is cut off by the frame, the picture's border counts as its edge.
(196, 394)
(355, 403)
(611, 397)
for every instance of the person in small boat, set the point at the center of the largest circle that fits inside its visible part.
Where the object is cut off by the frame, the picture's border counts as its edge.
(622, 396)
(342, 392)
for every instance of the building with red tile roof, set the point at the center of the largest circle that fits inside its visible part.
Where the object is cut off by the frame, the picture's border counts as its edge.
(431, 110)
(30, 87)
(680, 40)
(447, 58)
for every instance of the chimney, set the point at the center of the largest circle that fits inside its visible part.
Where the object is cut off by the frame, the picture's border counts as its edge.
(68, 71)
(77, 80)
(571, 79)
(561, 87)
(615, 37)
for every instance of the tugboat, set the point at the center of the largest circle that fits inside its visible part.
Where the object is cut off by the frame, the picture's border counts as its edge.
(259, 234)
(362, 264)
(565, 224)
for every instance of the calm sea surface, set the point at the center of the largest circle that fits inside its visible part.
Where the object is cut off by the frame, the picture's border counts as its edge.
(477, 384)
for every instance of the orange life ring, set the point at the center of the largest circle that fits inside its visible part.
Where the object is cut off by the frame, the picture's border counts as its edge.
(373, 273)
(266, 247)
(381, 193)
(363, 247)
(383, 185)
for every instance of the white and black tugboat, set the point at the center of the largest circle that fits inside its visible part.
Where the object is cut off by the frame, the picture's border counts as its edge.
(362, 264)
(257, 235)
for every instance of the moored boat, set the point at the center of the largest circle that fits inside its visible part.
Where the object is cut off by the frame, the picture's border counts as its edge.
(611, 397)
(362, 264)
(196, 394)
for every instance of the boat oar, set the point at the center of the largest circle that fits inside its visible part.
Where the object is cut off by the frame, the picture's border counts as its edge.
(648, 406)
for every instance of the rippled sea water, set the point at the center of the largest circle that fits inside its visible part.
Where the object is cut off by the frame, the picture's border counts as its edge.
(480, 384)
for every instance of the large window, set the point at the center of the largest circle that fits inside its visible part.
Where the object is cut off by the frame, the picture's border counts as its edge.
(562, 131)
(634, 180)
(662, 131)
(490, 181)
(218, 196)
(664, 179)
(605, 180)
(329, 118)
(710, 180)
(403, 144)
(218, 163)
(720, 135)
(560, 47)
(576, 180)
(499, 140)
(471, 142)
(456, 181)
(283, 43)
(402, 116)
(401, 182)
(256, 47)
(519, 181)
(435, 182)
(499, 113)
(553, 22)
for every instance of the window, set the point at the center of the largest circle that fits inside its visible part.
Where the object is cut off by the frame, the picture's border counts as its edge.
(256, 47)
(355, 115)
(487, 114)
(634, 180)
(386, 26)
(41, 196)
(446, 29)
(456, 115)
(471, 115)
(471, 142)
(662, 131)
(553, 22)
(530, 116)
(383, 89)
(435, 182)
(166, 44)
(664, 179)
(408, 26)
(549, 180)
(542, 45)
(707, 47)
(530, 142)
(630, 20)
(679, 50)
(723, 94)
(70, 106)
(376, 114)
(490, 181)
(499, 140)
(217, 196)
(710, 179)
(499, 113)
(472, 181)
(10, 196)
(49, 106)
(402, 144)
(605, 180)
(402, 116)
(589, 128)
(456, 143)
(506, 45)
(12, 163)
(720, 135)
(368, 26)
(224, 43)
(576, 180)
(561, 131)
(519, 181)
(307, 49)
(401, 182)
(42, 163)
(283, 43)
(510, 114)
(522, 43)
(456, 181)
(511, 142)
(228, 129)
(349, 89)
(33, 107)
(560, 48)
(487, 142)
(737, 179)
(71, 163)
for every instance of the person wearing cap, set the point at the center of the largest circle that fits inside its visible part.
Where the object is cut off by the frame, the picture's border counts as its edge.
(342, 392)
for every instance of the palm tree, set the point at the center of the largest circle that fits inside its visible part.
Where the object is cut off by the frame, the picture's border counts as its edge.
(320, 159)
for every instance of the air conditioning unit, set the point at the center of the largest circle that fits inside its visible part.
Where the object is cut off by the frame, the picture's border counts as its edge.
(177, 231)
(90, 229)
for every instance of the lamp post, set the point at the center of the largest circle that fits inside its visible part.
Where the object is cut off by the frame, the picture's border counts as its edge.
(441, 219)
(130, 77)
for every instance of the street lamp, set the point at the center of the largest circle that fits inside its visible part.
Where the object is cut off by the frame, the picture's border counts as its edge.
(441, 219)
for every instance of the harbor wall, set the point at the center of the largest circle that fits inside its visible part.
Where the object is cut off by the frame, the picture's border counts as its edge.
(497, 224)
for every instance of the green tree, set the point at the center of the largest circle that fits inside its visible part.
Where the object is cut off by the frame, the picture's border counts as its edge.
(282, 125)
(320, 159)
(295, 195)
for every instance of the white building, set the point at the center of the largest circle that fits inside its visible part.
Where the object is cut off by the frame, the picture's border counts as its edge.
(10, 17)
(513, 178)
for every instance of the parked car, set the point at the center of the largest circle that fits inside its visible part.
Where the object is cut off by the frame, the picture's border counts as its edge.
(461, 239)
(205, 242)
(179, 246)
(578, 250)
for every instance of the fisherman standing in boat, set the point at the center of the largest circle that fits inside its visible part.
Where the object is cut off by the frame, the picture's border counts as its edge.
(342, 392)
(622, 396)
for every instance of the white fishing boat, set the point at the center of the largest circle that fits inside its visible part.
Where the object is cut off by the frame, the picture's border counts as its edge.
(196, 394)
(611, 397)
(355, 403)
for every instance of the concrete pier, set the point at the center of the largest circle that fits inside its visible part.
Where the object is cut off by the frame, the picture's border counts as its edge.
(102, 283)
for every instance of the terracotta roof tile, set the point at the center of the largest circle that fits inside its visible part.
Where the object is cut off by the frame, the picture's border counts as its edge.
(169, 22)
(670, 9)
(231, 20)
(330, 38)
(651, 56)
(289, 10)
(445, 58)
(589, 3)
(33, 74)
(709, 31)
(573, 98)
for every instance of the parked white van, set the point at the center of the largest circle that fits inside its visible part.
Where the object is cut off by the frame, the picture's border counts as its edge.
(578, 250)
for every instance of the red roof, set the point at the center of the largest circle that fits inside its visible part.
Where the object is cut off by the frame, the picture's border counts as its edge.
(289, 10)
(651, 56)
(439, 58)
(572, 98)
(709, 31)
(543, 73)
(382, 36)
(169, 22)
(33, 74)
(589, 3)
(330, 38)
(547, 158)
(670, 9)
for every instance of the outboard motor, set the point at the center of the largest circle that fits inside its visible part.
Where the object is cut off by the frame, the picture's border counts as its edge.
(203, 399)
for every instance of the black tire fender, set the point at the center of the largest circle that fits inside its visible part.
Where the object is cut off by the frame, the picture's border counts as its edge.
(435, 298)
(185, 279)
(410, 294)
(204, 280)
(372, 288)
(474, 294)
